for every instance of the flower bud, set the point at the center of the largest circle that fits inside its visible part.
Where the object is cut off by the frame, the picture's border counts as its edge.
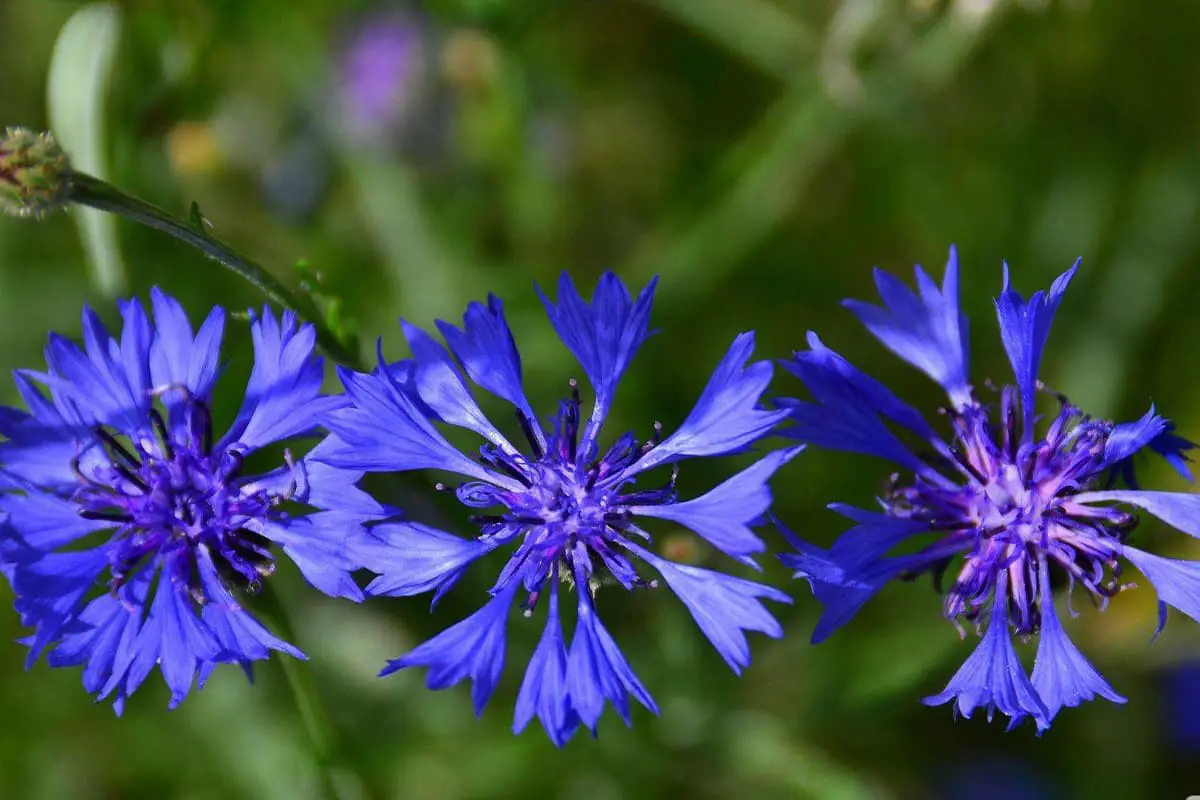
(34, 173)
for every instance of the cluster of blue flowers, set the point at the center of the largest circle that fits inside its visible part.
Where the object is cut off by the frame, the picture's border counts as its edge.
(133, 534)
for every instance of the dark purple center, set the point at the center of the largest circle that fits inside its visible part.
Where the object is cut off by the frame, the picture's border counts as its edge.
(168, 495)
(570, 508)
(1012, 516)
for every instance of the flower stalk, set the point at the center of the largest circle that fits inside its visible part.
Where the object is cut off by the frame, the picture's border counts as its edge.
(36, 177)
(318, 729)
(95, 193)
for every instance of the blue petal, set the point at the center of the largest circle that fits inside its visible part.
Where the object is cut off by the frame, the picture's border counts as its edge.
(842, 581)
(411, 558)
(544, 689)
(179, 359)
(107, 632)
(723, 516)
(439, 384)
(343, 512)
(239, 635)
(382, 431)
(185, 641)
(1177, 582)
(472, 648)
(830, 377)
(486, 349)
(1172, 447)
(1179, 510)
(723, 606)
(136, 338)
(1128, 438)
(1024, 327)
(841, 592)
(41, 445)
(603, 335)
(928, 332)
(1153, 431)
(172, 637)
(120, 366)
(283, 394)
(402, 375)
(97, 380)
(45, 521)
(848, 408)
(726, 418)
(328, 487)
(50, 588)
(874, 535)
(1062, 676)
(993, 678)
(326, 555)
(597, 671)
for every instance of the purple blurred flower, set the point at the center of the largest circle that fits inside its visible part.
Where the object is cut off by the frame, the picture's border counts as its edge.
(381, 72)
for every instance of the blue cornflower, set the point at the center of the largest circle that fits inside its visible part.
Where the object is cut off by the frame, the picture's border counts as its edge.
(565, 507)
(1012, 508)
(131, 528)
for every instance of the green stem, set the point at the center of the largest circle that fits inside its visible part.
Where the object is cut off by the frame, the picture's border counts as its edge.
(95, 193)
(318, 728)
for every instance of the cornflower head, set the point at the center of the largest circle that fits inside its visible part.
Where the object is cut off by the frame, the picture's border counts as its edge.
(132, 528)
(566, 508)
(1005, 505)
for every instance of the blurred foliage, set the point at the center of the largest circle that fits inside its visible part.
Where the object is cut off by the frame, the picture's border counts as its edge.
(760, 156)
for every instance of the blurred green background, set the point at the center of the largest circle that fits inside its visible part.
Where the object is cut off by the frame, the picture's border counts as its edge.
(760, 156)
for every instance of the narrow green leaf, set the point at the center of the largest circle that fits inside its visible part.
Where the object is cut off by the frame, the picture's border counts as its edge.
(80, 70)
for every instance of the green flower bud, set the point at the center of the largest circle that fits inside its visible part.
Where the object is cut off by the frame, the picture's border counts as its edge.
(34, 173)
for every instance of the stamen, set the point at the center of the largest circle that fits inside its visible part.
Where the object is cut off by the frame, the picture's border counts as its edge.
(570, 421)
(659, 496)
(535, 444)
(293, 484)
(114, 449)
(961, 460)
(504, 519)
(654, 440)
(131, 476)
(106, 516)
(1010, 428)
(183, 389)
(160, 430)
(530, 604)
(87, 480)
(205, 425)
(500, 462)
(238, 458)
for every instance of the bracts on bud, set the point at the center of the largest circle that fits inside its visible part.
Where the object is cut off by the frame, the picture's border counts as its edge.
(34, 173)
